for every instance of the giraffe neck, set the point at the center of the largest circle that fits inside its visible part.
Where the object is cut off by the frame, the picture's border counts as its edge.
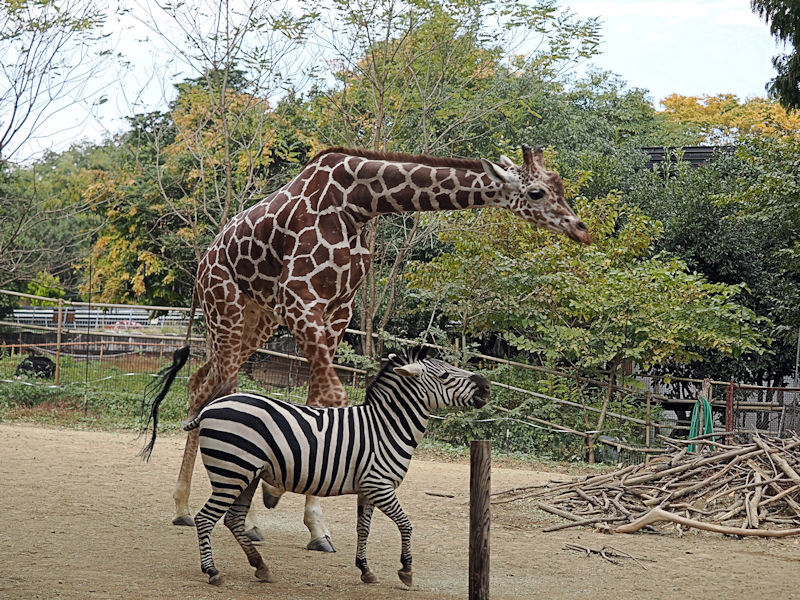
(374, 186)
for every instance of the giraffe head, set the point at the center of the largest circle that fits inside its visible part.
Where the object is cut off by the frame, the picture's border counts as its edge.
(536, 194)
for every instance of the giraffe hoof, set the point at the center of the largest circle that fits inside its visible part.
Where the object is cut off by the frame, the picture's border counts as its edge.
(263, 574)
(369, 577)
(183, 521)
(254, 534)
(321, 544)
(216, 579)
(406, 576)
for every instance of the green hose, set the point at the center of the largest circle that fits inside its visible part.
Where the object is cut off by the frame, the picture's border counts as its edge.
(708, 425)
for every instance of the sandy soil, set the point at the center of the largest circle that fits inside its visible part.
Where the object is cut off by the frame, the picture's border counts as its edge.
(83, 517)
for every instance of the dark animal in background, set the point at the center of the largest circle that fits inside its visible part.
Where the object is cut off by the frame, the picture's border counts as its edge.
(36, 366)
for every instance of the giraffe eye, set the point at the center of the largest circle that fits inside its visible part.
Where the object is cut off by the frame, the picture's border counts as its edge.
(536, 194)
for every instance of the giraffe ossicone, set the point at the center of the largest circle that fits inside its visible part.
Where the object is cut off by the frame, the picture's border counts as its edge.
(298, 257)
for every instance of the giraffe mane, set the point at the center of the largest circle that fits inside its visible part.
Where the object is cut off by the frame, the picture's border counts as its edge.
(423, 159)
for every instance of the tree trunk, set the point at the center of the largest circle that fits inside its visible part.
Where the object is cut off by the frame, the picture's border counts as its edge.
(609, 393)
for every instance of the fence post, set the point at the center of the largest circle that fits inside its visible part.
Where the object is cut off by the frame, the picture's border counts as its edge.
(729, 413)
(480, 458)
(58, 340)
(648, 398)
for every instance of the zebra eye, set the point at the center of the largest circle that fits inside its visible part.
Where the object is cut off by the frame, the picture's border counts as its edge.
(444, 376)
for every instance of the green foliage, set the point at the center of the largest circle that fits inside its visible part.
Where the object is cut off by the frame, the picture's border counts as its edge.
(733, 220)
(46, 285)
(592, 307)
(783, 17)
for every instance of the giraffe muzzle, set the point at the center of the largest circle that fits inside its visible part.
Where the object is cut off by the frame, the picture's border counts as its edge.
(579, 232)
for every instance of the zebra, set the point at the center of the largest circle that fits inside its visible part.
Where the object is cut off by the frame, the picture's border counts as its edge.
(364, 450)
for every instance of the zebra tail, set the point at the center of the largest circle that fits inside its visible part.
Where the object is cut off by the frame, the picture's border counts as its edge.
(223, 389)
(191, 424)
(163, 381)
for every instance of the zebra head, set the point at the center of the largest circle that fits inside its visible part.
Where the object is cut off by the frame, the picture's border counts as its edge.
(441, 385)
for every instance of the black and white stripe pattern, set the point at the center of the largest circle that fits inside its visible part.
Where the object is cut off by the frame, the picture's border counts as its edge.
(364, 450)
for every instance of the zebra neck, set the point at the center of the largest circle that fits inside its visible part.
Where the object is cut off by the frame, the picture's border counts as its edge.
(404, 424)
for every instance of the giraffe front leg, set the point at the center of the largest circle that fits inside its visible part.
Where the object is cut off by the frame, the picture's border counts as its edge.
(365, 509)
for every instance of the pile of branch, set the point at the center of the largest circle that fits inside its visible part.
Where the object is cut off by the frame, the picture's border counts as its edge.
(745, 490)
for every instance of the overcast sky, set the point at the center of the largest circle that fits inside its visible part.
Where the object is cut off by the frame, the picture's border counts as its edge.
(689, 47)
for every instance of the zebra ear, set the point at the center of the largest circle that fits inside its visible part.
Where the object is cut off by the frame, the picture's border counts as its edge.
(412, 370)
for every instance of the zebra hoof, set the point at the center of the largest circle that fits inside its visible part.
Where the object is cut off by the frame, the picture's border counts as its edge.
(263, 574)
(270, 501)
(183, 521)
(216, 579)
(254, 534)
(406, 576)
(321, 544)
(369, 577)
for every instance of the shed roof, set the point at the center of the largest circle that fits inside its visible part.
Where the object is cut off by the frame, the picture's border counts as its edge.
(694, 155)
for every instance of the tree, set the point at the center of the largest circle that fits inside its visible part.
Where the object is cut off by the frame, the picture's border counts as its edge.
(588, 309)
(47, 62)
(45, 223)
(430, 76)
(593, 307)
(185, 172)
(166, 196)
(724, 118)
(783, 17)
(704, 215)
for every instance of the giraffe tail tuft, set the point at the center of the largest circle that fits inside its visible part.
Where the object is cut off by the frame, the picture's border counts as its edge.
(160, 386)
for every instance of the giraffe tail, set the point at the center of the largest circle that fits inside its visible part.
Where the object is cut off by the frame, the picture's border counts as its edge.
(160, 386)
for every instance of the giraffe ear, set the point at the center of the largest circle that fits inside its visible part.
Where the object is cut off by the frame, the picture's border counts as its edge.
(413, 370)
(499, 175)
(506, 162)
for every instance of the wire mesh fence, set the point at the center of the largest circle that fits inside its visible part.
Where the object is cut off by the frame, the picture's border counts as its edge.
(102, 360)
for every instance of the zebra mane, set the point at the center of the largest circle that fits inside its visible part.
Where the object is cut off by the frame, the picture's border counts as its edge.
(411, 355)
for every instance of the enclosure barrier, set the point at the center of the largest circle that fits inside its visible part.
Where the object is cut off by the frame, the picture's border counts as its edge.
(97, 336)
(480, 490)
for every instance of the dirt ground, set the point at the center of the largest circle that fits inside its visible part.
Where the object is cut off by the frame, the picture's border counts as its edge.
(82, 517)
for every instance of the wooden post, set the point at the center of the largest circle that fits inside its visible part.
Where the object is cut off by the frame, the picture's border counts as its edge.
(58, 340)
(480, 459)
(729, 425)
(647, 426)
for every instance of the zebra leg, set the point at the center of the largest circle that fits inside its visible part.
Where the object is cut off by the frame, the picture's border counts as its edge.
(365, 509)
(270, 495)
(386, 501)
(205, 520)
(235, 521)
(313, 520)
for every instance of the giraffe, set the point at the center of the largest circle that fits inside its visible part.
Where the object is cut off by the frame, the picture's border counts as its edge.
(297, 258)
